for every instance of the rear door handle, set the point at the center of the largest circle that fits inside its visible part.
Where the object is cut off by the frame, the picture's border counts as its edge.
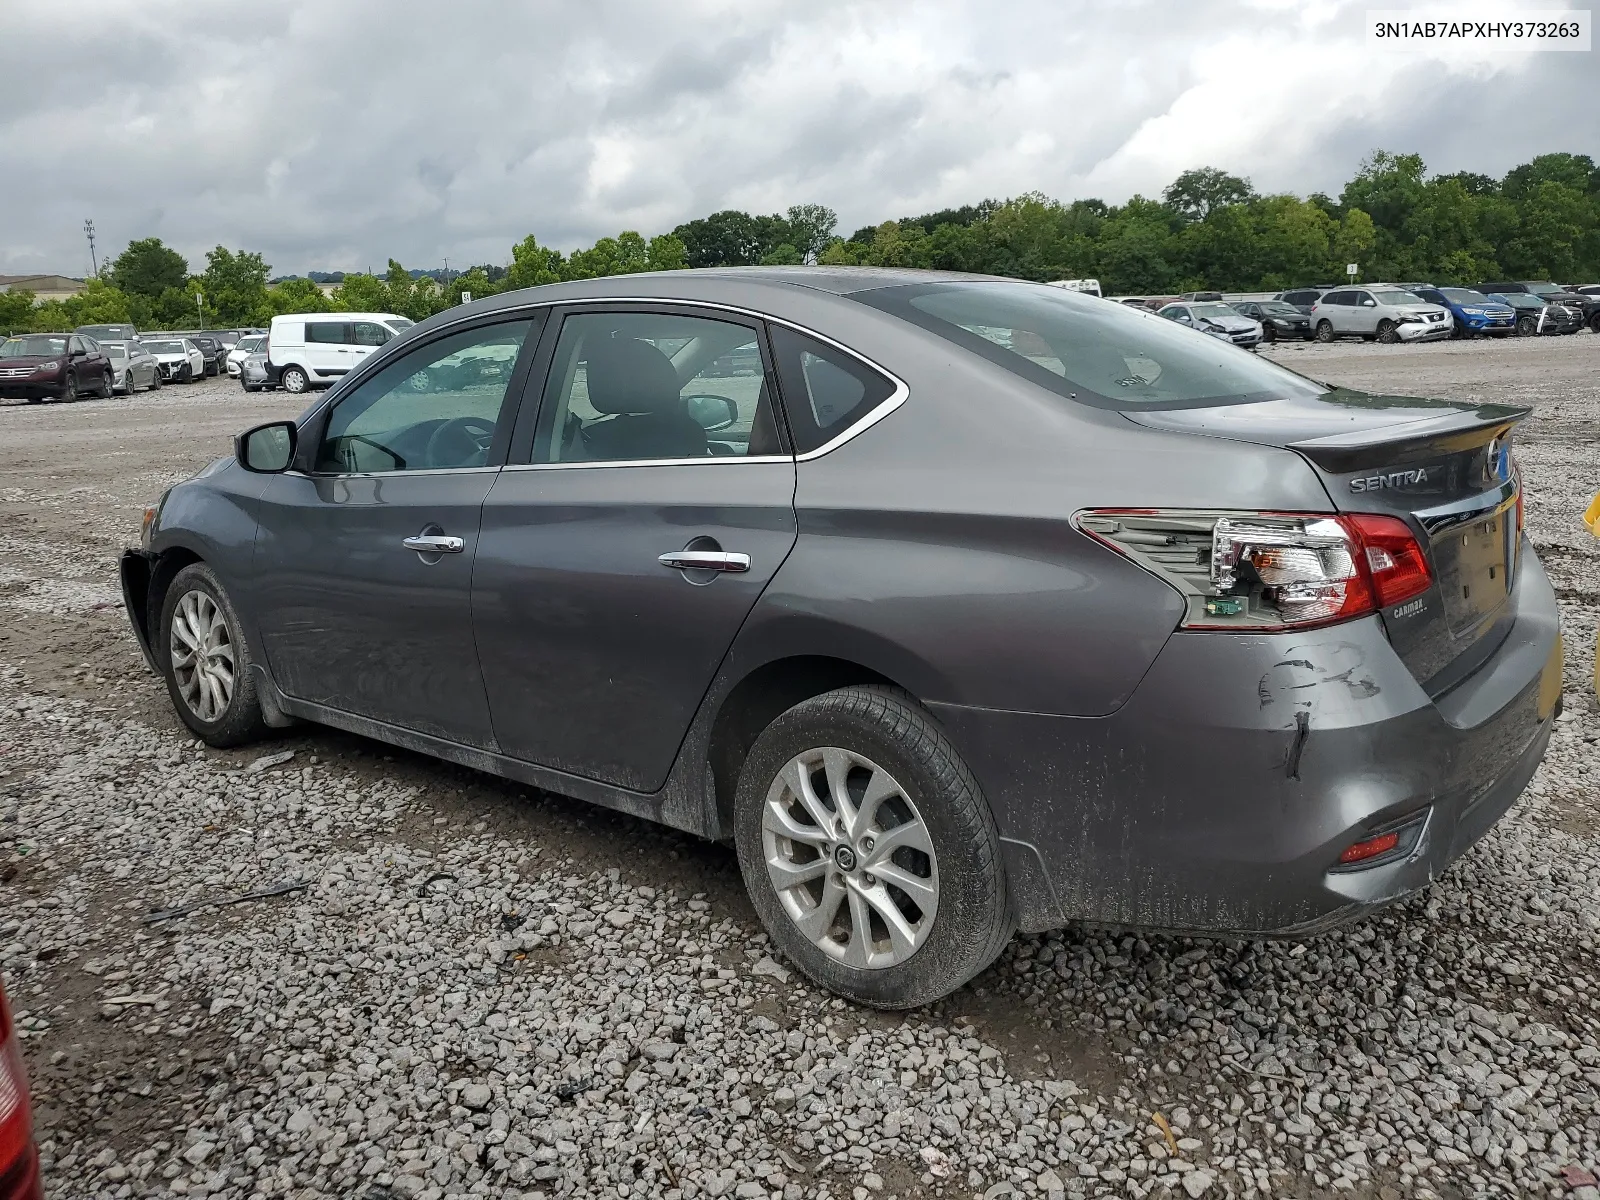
(433, 543)
(705, 560)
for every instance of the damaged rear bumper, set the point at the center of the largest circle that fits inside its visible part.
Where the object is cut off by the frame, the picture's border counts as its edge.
(1219, 798)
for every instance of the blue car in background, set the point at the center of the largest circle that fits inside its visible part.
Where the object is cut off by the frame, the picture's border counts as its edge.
(1474, 312)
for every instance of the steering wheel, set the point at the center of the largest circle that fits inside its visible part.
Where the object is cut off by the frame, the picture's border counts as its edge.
(459, 442)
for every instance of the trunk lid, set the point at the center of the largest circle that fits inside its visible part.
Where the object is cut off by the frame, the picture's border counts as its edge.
(1442, 466)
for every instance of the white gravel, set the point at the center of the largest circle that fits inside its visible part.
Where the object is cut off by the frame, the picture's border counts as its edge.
(468, 998)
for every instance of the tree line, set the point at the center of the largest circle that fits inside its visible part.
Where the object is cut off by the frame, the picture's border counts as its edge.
(1209, 229)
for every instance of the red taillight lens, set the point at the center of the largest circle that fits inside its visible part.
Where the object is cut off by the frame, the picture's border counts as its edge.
(1371, 848)
(1264, 571)
(1394, 559)
(16, 1126)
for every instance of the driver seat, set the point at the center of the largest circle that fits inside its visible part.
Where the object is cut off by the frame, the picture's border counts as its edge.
(635, 384)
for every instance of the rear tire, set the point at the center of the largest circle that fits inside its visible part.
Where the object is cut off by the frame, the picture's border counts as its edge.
(201, 648)
(952, 917)
(1324, 331)
(294, 380)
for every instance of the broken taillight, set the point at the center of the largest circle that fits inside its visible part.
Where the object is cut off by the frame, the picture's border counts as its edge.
(1256, 571)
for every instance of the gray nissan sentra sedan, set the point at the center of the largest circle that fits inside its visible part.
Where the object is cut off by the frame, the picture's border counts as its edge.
(958, 605)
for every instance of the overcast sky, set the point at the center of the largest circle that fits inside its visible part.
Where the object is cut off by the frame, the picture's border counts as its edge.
(334, 134)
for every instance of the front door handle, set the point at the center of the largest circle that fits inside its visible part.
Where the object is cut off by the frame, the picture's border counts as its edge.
(434, 543)
(705, 560)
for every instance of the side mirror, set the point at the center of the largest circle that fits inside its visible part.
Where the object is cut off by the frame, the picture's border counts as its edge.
(266, 449)
(710, 412)
(1369, 304)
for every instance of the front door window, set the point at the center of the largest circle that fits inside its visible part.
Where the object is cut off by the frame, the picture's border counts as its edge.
(437, 408)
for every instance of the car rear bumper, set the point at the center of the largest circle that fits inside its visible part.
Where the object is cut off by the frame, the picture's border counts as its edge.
(1202, 805)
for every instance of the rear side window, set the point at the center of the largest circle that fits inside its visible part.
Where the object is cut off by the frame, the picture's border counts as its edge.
(328, 332)
(825, 391)
(1101, 354)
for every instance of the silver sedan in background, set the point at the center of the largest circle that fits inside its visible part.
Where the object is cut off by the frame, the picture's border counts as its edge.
(132, 367)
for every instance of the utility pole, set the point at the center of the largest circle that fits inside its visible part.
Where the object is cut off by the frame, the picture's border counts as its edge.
(88, 229)
(447, 274)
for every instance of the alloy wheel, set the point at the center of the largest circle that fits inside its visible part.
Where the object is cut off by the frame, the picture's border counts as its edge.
(850, 858)
(202, 656)
(294, 381)
(127, 383)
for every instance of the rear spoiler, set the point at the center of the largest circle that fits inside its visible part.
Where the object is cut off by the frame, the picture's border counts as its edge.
(1407, 442)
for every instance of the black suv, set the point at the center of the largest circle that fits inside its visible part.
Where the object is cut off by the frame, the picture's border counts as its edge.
(1551, 293)
(211, 349)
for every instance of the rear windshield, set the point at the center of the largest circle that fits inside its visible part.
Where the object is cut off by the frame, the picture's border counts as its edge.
(1107, 355)
(25, 347)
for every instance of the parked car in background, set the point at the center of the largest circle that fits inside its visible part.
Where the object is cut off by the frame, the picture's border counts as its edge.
(306, 350)
(211, 352)
(1200, 296)
(1378, 313)
(253, 370)
(1277, 318)
(1302, 298)
(132, 366)
(53, 366)
(241, 349)
(108, 333)
(19, 1160)
(1471, 311)
(1131, 301)
(1536, 316)
(1218, 320)
(1587, 306)
(884, 639)
(180, 359)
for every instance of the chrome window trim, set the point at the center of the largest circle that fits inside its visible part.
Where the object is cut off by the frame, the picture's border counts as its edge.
(390, 474)
(894, 400)
(709, 461)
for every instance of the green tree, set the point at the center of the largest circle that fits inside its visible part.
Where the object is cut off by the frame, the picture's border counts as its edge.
(360, 293)
(297, 296)
(16, 312)
(98, 304)
(235, 287)
(810, 229)
(1196, 193)
(148, 268)
(532, 265)
(668, 253)
(783, 255)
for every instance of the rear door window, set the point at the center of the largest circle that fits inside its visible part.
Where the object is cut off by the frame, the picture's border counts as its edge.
(335, 333)
(826, 392)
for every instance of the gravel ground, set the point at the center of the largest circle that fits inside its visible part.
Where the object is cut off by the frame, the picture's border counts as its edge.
(486, 991)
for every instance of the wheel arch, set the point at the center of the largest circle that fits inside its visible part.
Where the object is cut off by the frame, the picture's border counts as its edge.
(763, 694)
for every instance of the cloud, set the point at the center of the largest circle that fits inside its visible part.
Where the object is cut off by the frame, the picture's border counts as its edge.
(338, 135)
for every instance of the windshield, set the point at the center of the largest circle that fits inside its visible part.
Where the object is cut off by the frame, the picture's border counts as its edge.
(1544, 289)
(399, 324)
(1464, 296)
(115, 349)
(1518, 300)
(164, 347)
(248, 344)
(1213, 312)
(1102, 354)
(1277, 308)
(25, 347)
(1396, 297)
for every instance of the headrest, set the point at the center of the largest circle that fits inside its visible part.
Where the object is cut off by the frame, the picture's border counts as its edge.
(632, 377)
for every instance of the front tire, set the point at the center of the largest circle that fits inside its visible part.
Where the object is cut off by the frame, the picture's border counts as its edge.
(869, 851)
(1387, 333)
(70, 393)
(128, 385)
(201, 648)
(1324, 331)
(294, 380)
(108, 386)
(1527, 327)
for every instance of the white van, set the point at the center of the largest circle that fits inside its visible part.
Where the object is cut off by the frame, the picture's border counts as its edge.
(1089, 287)
(306, 350)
